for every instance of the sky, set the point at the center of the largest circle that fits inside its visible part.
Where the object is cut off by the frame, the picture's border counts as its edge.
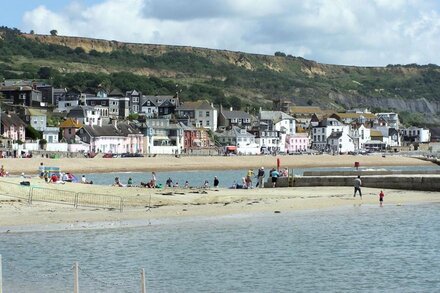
(346, 32)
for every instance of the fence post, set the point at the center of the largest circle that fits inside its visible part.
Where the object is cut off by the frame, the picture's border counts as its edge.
(143, 285)
(31, 191)
(75, 278)
(75, 202)
(1, 275)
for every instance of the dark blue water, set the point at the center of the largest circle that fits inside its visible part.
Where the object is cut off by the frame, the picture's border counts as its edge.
(359, 248)
(226, 177)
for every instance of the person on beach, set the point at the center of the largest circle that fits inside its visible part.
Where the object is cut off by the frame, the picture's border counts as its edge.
(41, 170)
(83, 179)
(153, 180)
(275, 176)
(169, 182)
(249, 176)
(357, 186)
(2, 171)
(260, 176)
(186, 184)
(117, 182)
(46, 176)
(381, 195)
(216, 182)
(176, 185)
(206, 184)
(130, 182)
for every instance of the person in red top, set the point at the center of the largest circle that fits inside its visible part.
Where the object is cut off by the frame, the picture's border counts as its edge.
(53, 178)
(381, 195)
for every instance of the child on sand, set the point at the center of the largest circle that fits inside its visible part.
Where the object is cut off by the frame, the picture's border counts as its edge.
(381, 195)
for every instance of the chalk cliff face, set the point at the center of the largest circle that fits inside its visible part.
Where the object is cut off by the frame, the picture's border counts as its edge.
(329, 86)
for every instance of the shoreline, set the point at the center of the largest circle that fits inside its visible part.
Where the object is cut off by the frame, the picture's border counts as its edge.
(18, 216)
(170, 163)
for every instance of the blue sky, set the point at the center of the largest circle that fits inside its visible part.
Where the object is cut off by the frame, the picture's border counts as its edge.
(366, 33)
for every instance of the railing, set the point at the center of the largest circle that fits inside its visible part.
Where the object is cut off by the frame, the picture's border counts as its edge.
(76, 199)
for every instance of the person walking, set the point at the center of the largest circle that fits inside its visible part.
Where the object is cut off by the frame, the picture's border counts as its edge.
(357, 186)
(275, 176)
(260, 176)
(381, 195)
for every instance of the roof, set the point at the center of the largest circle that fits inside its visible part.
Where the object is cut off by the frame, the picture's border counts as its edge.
(329, 122)
(275, 116)
(196, 105)
(356, 115)
(236, 115)
(123, 129)
(79, 111)
(305, 110)
(35, 112)
(70, 123)
(375, 133)
(11, 119)
(16, 88)
(335, 135)
(116, 93)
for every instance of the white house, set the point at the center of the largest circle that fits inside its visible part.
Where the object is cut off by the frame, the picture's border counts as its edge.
(86, 115)
(323, 130)
(360, 136)
(340, 142)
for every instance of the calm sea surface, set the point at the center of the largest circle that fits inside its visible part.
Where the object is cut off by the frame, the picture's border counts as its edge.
(358, 248)
(226, 177)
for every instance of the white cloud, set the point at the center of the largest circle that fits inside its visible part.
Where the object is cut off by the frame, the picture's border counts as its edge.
(375, 32)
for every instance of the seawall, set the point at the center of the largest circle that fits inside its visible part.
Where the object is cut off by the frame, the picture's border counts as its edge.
(423, 182)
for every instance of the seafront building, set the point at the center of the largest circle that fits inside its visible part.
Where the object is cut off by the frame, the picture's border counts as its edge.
(113, 121)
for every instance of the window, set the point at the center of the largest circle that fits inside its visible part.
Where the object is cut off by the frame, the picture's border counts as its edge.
(207, 122)
(207, 113)
(314, 130)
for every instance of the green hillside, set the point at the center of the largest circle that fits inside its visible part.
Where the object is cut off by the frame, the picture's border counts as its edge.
(235, 79)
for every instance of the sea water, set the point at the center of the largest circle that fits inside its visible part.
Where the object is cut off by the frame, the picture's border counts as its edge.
(362, 248)
(226, 177)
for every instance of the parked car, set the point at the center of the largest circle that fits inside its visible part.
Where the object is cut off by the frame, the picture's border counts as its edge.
(108, 155)
(129, 155)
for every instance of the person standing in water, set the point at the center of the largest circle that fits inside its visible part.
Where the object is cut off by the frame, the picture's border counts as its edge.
(381, 195)
(357, 186)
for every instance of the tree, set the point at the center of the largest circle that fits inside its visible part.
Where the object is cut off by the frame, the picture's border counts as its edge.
(42, 143)
(53, 32)
(45, 72)
(280, 54)
(235, 103)
(32, 32)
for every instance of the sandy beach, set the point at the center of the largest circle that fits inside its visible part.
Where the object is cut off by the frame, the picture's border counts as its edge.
(168, 163)
(144, 205)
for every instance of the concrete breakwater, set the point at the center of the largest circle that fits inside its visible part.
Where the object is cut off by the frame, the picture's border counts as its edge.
(424, 182)
(369, 172)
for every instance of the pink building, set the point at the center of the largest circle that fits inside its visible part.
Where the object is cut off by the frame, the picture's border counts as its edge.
(12, 127)
(298, 142)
